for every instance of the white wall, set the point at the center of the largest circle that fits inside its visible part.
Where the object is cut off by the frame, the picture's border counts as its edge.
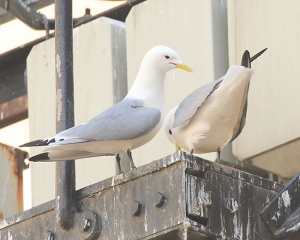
(270, 139)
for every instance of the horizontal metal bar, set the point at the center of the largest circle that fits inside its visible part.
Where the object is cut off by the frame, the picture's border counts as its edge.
(6, 16)
(13, 111)
(26, 14)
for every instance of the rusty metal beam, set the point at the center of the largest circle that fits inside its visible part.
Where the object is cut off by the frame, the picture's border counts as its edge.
(11, 180)
(13, 111)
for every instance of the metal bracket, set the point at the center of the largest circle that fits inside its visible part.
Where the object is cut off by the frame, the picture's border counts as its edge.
(282, 213)
(87, 226)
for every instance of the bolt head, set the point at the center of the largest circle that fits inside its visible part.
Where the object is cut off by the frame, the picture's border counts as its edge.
(159, 200)
(136, 209)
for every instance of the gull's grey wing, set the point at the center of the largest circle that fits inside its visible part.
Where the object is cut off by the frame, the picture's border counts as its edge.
(242, 118)
(246, 62)
(127, 119)
(189, 106)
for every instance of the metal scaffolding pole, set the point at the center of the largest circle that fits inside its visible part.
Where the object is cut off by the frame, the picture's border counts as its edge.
(65, 170)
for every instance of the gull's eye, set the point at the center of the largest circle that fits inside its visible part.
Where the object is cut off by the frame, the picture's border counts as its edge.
(170, 132)
(167, 57)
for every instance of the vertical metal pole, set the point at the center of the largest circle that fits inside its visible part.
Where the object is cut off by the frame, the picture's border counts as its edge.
(65, 170)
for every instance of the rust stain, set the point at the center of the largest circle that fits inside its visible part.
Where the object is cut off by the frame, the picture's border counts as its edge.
(1, 215)
(13, 111)
(15, 158)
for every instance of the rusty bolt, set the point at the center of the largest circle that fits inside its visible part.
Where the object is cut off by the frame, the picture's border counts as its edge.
(276, 218)
(159, 199)
(136, 208)
(85, 224)
(232, 205)
(47, 235)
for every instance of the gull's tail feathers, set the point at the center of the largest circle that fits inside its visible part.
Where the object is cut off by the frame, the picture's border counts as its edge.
(54, 155)
(246, 59)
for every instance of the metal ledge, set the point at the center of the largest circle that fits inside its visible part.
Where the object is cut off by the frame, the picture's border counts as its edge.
(179, 196)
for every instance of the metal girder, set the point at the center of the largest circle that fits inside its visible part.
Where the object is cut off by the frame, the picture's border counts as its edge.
(27, 14)
(177, 197)
(282, 213)
(6, 16)
(13, 111)
(38, 21)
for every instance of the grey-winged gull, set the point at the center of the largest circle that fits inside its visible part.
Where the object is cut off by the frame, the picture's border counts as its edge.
(214, 114)
(126, 125)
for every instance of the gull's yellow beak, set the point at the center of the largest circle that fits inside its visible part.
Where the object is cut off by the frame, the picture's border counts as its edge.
(177, 147)
(184, 67)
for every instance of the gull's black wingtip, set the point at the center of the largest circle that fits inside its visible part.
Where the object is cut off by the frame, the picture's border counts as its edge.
(33, 143)
(258, 54)
(246, 60)
(40, 142)
(40, 157)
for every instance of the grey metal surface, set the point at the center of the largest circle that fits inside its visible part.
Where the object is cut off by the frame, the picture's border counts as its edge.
(11, 180)
(202, 200)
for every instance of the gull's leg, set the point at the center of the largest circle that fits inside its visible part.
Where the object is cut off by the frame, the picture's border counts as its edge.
(192, 151)
(132, 166)
(219, 155)
(119, 163)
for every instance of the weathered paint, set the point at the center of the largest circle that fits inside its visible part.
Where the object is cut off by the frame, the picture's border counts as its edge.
(11, 180)
(197, 194)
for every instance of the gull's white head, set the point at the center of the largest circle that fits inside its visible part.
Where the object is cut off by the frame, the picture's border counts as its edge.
(168, 125)
(163, 59)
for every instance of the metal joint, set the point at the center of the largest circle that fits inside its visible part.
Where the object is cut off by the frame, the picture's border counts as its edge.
(87, 226)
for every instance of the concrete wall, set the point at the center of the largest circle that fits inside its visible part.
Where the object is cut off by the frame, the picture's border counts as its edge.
(270, 139)
(99, 67)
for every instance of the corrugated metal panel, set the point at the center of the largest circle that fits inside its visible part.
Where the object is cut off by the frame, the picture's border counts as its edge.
(11, 180)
